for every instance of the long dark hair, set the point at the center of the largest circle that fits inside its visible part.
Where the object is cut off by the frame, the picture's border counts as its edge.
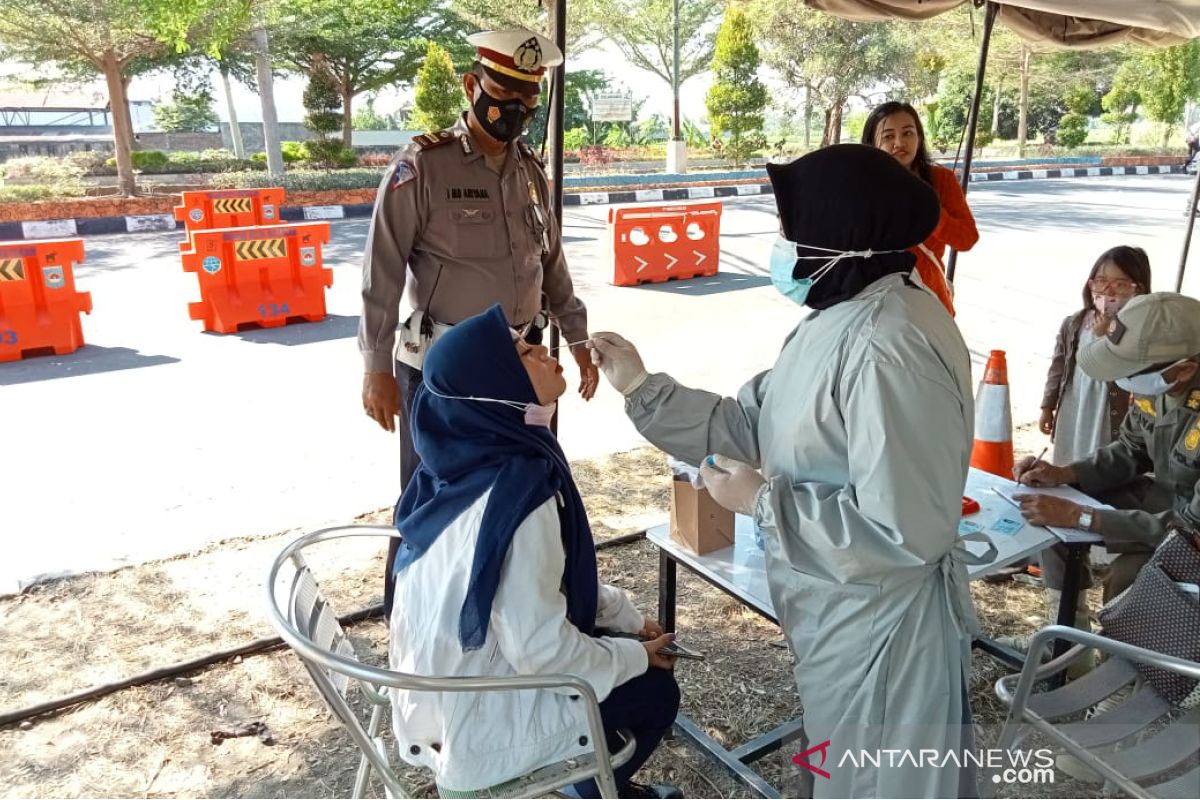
(1133, 261)
(921, 165)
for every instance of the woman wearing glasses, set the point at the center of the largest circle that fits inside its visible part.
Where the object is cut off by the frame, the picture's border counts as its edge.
(1079, 413)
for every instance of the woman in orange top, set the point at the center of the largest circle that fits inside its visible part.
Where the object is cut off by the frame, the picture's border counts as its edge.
(896, 128)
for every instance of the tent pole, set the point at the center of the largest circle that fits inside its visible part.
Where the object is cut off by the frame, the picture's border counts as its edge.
(558, 78)
(1187, 237)
(989, 20)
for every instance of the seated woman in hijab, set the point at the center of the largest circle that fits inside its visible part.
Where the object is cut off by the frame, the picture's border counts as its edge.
(497, 576)
(863, 432)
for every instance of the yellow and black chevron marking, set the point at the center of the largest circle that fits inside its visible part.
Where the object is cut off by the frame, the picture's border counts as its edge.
(232, 205)
(12, 269)
(262, 248)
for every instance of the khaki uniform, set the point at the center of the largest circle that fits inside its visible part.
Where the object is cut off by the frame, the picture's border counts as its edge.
(1151, 473)
(1160, 435)
(453, 237)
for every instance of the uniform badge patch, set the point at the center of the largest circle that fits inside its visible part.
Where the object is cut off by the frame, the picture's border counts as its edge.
(528, 56)
(402, 174)
(1145, 406)
(1192, 441)
(1193, 400)
(493, 113)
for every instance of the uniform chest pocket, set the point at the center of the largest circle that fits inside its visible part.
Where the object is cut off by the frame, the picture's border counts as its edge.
(476, 231)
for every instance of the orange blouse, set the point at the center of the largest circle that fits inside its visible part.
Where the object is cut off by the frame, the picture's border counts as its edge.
(956, 229)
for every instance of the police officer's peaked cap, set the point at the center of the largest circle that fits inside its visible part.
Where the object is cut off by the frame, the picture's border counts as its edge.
(516, 58)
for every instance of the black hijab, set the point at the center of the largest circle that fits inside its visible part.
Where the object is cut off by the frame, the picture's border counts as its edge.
(851, 197)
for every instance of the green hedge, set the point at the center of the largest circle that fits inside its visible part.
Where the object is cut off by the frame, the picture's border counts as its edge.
(28, 193)
(302, 180)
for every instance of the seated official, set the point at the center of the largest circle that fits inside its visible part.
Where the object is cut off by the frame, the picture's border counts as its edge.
(497, 577)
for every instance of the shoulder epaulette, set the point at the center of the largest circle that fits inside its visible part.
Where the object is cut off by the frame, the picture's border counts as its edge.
(433, 139)
(529, 152)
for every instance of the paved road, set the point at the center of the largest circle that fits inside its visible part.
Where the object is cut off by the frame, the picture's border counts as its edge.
(157, 438)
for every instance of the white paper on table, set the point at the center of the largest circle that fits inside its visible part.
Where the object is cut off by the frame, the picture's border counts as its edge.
(1068, 535)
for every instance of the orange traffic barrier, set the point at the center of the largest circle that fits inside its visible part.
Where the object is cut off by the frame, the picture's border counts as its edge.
(993, 450)
(228, 208)
(39, 307)
(653, 244)
(259, 277)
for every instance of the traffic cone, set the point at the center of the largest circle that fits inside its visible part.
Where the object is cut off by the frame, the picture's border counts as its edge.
(993, 450)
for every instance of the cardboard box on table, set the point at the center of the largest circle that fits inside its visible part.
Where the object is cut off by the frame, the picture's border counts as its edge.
(698, 522)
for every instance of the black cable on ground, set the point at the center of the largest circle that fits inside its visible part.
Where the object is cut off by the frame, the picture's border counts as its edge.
(184, 667)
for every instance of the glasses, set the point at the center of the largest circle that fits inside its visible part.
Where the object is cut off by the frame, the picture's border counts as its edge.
(1106, 284)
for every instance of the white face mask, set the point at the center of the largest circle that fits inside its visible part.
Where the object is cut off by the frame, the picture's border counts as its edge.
(1151, 384)
(536, 415)
(1107, 304)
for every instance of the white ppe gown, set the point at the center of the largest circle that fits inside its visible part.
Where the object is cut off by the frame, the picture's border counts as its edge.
(863, 430)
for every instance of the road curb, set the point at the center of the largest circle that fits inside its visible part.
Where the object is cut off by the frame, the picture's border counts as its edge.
(93, 226)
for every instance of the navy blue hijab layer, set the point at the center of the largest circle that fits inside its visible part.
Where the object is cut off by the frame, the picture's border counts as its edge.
(467, 447)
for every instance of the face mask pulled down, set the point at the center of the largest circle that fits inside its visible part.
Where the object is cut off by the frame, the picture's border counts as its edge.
(783, 263)
(503, 120)
(536, 415)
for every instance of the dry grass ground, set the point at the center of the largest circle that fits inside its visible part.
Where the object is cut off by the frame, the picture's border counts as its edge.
(154, 740)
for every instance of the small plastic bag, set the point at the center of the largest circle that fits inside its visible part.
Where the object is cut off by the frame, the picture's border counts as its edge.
(683, 471)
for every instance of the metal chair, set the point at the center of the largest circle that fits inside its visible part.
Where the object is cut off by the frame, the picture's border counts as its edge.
(305, 620)
(1141, 744)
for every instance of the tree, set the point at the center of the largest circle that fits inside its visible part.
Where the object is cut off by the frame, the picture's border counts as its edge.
(191, 104)
(1122, 101)
(1169, 79)
(643, 30)
(365, 45)
(831, 58)
(737, 98)
(323, 103)
(110, 38)
(367, 119)
(439, 96)
(531, 14)
(582, 86)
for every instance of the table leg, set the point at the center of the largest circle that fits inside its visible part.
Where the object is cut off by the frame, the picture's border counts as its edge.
(666, 591)
(1068, 605)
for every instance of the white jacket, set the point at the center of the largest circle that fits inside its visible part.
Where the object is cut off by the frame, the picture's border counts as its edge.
(475, 740)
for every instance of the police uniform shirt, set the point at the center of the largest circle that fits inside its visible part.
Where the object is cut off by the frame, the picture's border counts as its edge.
(1159, 435)
(453, 237)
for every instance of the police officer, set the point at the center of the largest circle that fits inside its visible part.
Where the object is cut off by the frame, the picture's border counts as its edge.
(1153, 352)
(461, 222)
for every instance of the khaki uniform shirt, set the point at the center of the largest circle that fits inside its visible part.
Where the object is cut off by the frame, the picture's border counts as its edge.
(453, 238)
(1157, 436)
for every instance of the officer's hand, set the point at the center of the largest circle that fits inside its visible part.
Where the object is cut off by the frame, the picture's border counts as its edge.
(1033, 472)
(618, 359)
(589, 376)
(381, 399)
(1044, 509)
(731, 483)
(1046, 421)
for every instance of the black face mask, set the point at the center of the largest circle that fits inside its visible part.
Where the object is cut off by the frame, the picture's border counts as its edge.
(502, 120)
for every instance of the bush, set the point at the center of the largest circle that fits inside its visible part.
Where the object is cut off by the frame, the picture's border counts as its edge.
(28, 193)
(330, 154)
(292, 152)
(375, 159)
(149, 159)
(575, 138)
(1072, 130)
(44, 169)
(302, 180)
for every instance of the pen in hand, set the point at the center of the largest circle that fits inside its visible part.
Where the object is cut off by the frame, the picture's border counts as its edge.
(1034, 464)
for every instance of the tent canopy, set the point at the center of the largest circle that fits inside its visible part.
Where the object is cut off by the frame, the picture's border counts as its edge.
(1062, 23)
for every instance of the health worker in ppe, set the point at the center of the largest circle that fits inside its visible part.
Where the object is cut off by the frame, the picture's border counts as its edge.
(863, 432)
